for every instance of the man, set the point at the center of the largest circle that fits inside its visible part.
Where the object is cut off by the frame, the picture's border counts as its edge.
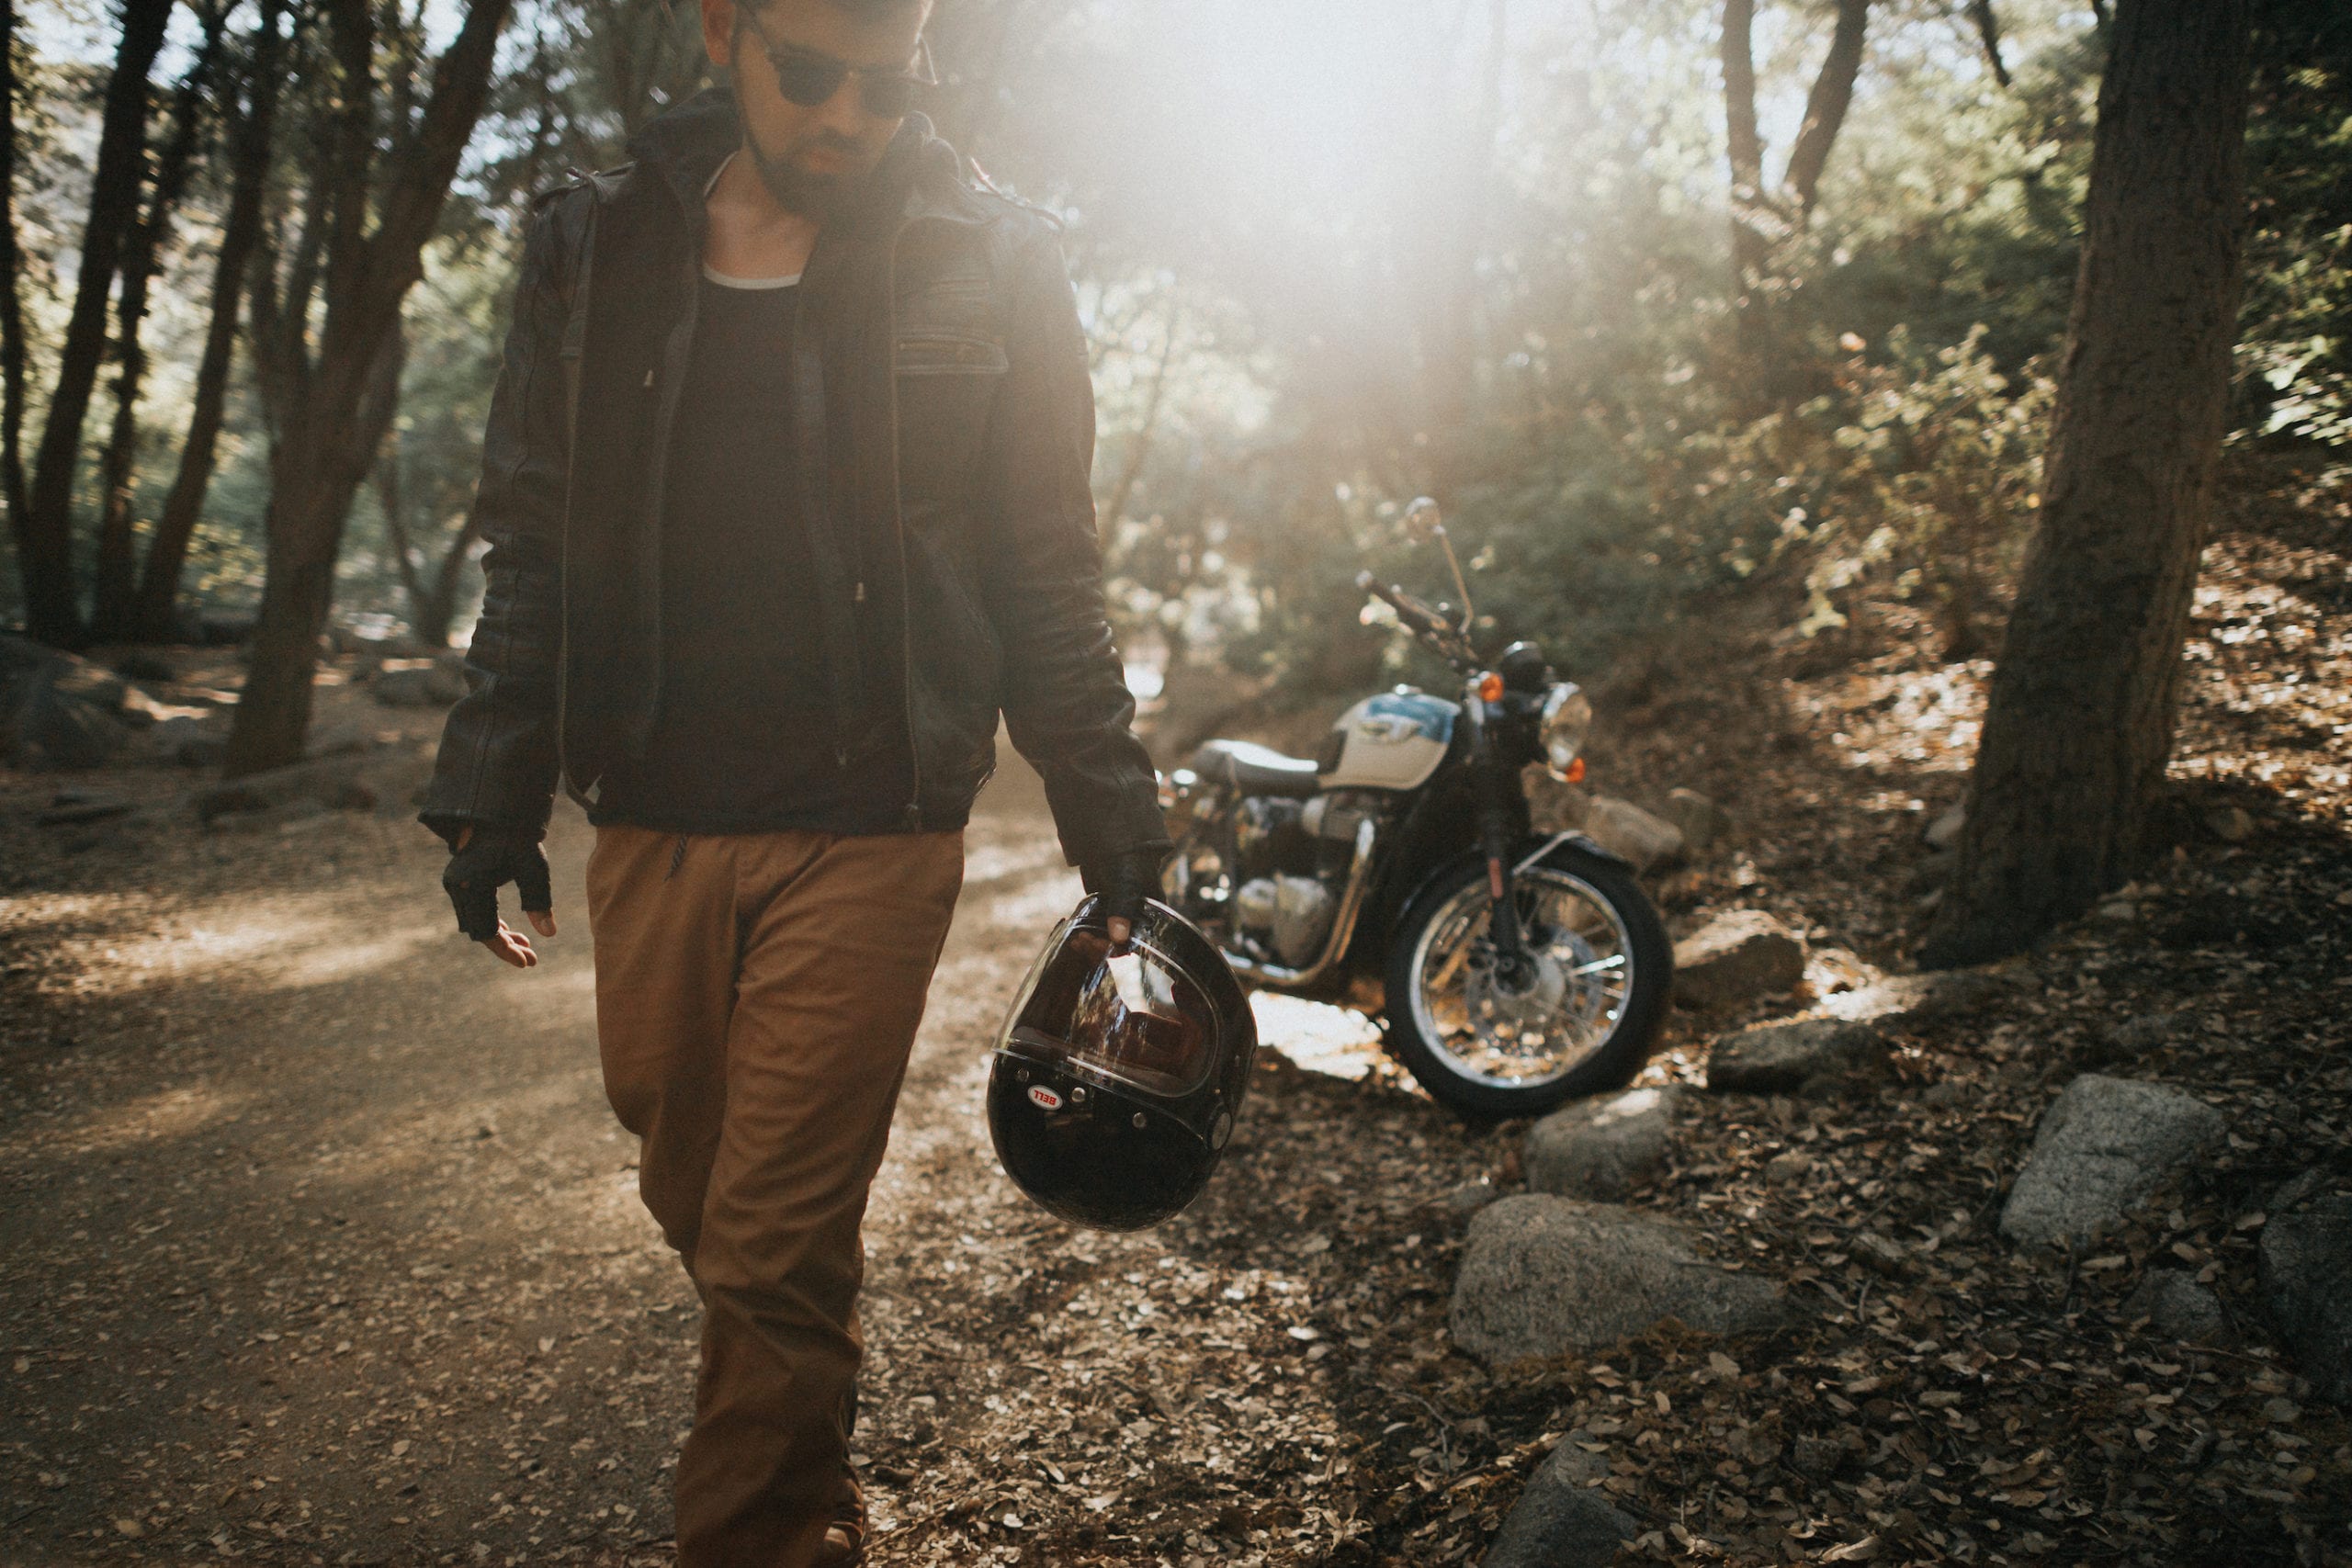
(785, 484)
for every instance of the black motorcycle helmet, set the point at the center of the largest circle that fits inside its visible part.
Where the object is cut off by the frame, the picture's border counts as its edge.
(1116, 1078)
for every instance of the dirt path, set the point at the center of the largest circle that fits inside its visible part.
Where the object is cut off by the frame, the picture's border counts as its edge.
(318, 1245)
(322, 1247)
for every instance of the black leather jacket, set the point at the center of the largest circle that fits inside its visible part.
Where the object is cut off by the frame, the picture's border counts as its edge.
(943, 411)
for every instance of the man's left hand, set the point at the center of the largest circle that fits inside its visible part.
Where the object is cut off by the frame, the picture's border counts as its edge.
(1125, 881)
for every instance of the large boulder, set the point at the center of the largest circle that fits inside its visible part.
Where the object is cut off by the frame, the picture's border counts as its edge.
(1624, 828)
(1542, 1275)
(1739, 956)
(2307, 1285)
(1559, 1522)
(1704, 824)
(2103, 1146)
(57, 712)
(1598, 1148)
(1797, 1054)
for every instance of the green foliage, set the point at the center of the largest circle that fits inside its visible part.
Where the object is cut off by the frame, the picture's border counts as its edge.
(2295, 360)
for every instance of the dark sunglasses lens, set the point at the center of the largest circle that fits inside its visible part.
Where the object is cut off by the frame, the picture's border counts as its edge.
(807, 82)
(889, 97)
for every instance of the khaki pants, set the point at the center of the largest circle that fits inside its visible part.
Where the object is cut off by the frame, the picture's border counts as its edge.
(757, 995)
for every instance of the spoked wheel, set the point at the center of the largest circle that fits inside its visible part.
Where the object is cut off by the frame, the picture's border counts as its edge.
(1575, 1015)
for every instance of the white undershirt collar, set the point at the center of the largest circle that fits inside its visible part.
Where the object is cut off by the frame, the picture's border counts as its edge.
(723, 279)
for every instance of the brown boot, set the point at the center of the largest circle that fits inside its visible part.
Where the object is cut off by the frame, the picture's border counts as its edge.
(846, 1540)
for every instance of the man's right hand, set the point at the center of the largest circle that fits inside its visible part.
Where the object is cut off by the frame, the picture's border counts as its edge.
(485, 861)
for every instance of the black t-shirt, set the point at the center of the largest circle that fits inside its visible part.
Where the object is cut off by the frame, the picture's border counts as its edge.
(743, 741)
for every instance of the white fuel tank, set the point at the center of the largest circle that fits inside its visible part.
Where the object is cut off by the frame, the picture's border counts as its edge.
(1395, 741)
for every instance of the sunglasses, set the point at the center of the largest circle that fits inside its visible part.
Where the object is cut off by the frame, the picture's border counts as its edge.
(807, 78)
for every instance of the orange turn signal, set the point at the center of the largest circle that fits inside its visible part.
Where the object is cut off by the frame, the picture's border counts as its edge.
(1490, 687)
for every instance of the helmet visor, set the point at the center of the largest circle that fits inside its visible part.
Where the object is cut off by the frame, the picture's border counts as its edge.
(1134, 1017)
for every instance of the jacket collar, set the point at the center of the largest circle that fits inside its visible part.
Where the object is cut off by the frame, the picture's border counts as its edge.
(920, 175)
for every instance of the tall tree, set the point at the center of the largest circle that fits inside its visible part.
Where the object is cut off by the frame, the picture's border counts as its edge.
(116, 578)
(12, 301)
(2064, 797)
(249, 158)
(45, 530)
(1763, 219)
(334, 410)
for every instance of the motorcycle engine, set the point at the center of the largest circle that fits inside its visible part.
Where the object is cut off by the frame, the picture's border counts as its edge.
(1271, 838)
(1296, 857)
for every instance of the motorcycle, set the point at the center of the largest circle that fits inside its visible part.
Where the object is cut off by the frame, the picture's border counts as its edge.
(1397, 872)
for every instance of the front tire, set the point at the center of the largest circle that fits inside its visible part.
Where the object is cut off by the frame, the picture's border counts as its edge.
(1579, 1019)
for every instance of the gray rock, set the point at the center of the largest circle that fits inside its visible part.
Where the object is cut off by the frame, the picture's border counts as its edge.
(420, 682)
(1815, 1458)
(2307, 1285)
(1900, 1000)
(1881, 1254)
(2231, 824)
(1540, 1275)
(72, 810)
(58, 733)
(331, 781)
(1737, 957)
(1624, 828)
(1775, 1059)
(2135, 1036)
(1943, 833)
(1554, 807)
(1469, 1198)
(1559, 1522)
(1704, 824)
(2102, 1146)
(57, 712)
(2178, 1306)
(1598, 1148)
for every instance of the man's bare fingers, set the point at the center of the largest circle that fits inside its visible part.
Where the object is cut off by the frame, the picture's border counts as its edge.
(1121, 931)
(510, 946)
(542, 921)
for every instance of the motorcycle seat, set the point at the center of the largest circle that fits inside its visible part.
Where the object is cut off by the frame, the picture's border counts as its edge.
(1252, 769)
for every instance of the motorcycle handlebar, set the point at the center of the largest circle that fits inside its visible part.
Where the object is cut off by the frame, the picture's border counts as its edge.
(1419, 619)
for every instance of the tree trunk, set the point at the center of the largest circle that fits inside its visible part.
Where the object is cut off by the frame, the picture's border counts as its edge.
(2069, 774)
(1825, 106)
(159, 577)
(12, 303)
(13, 487)
(437, 610)
(115, 583)
(1988, 33)
(333, 430)
(45, 543)
(1744, 145)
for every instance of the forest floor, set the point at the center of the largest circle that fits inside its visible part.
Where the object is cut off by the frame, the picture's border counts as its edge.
(322, 1247)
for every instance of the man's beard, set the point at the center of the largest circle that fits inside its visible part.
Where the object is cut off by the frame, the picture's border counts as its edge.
(821, 197)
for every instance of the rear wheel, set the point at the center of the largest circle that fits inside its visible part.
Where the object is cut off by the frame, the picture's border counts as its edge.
(1576, 1015)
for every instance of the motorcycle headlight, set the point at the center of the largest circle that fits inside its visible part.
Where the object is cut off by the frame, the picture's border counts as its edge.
(1567, 716)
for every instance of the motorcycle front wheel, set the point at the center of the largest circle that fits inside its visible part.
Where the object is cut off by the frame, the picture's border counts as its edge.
(1576, 1016)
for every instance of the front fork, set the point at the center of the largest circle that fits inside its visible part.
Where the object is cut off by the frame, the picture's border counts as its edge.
(1500, 814)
